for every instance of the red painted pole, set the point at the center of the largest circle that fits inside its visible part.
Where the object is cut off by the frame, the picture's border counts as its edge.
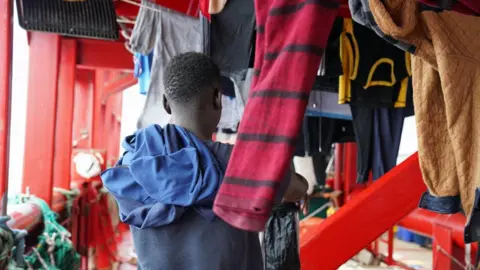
(337, 184)
(82, 133)
(373, 211)
(442, 248)
(6, 51)
(41, 114)
(391, 237)
(350, 170)
(64, 122)
(98, 120)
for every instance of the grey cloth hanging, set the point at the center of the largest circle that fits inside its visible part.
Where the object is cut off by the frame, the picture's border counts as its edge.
(168, 33)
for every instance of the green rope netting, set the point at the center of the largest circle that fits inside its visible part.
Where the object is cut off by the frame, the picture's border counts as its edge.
(54, 249)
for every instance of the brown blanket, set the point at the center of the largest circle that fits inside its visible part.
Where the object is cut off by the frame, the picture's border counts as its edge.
(446, 81)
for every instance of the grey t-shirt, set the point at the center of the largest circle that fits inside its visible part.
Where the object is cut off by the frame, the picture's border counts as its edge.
(196, 243)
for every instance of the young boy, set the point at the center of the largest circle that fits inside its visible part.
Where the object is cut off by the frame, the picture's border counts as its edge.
(166, 182)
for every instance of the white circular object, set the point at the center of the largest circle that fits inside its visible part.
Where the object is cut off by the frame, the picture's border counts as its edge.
(88, 165)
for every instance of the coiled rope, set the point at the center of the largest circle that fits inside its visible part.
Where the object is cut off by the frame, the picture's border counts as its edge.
(54, 250)
(12, 244)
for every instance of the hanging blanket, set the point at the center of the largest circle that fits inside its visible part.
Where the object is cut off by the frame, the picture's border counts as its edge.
(446, 81)
(291, 37)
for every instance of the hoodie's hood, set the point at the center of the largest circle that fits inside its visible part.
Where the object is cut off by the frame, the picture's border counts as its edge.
(163, 173)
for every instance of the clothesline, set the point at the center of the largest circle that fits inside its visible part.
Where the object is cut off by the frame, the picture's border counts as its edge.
(131, 2)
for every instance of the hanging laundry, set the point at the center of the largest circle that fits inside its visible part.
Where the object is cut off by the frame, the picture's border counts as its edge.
(361, 14)
(318, 134)
(231, 33)
(331, 63)
(446, 81)
(143, 65)
(167, 33)
(272, 118)
(230, 114)
(242, 89)
(469, 7)
(375, 74)
(387, 131)
(326, 84)
(228, 87)
(325, 104)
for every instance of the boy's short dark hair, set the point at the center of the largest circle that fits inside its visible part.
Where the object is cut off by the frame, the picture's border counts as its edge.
(187, 75)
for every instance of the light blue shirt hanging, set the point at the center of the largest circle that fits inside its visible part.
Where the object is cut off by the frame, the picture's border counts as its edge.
(143, 65)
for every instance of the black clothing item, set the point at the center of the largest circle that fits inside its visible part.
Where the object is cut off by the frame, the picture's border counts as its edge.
(319, 133)
(231, 35)
(280, 241)
(228, 88)
(378, 133)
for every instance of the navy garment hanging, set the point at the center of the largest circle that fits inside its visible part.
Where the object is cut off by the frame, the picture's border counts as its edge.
(378, 134)
(387, 133)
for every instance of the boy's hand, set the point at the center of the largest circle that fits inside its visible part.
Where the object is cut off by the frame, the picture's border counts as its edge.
(305, 204)
(297, 189)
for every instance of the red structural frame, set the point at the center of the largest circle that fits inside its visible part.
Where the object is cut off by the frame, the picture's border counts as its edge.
(6, 50)
(74, 105)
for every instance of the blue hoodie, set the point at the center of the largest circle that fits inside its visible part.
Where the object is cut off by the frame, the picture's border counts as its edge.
(163, 173)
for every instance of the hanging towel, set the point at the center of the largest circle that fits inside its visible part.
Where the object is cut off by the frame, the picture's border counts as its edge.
(167, 33)
(155, 158)
(446, 83)
(291, 37)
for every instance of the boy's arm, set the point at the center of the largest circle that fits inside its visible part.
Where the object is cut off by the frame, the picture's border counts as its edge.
(292, 188)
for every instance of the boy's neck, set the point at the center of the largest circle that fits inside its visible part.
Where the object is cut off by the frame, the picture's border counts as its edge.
(201, 130)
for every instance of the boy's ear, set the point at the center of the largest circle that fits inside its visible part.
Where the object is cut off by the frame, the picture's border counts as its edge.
(166, 105)
(217, 100)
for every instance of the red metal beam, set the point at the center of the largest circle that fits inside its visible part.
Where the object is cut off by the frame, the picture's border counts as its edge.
(98, 120)
(64, 123)
(82, 133)
(119, 84)
(422, 222)
(113, 122)
(6, 52)
(350, 172)
(372, 212)
(442, 247)
(41, 114)
(338, 180)
(99, 54)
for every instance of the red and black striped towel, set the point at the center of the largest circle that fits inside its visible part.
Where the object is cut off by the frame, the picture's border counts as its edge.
(291, 37)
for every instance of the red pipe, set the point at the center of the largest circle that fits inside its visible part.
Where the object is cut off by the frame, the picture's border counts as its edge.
(64, 119)
(422, 222)
(337, 184)
(6, 51)
(372, 212)
(350, 172)
(391, 237)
